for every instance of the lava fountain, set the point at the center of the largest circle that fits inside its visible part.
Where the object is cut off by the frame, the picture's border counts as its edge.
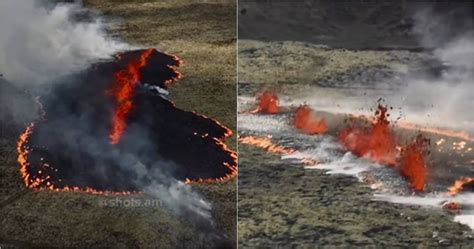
(305, 120)
(413, 165)
(375, 142)
(267, 103)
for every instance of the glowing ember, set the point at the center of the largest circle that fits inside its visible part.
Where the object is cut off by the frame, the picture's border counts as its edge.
(266, 144)
(375, 142)
(460, 184)
(267, 103)
(125, 82)
(413, 164)
(305, 120)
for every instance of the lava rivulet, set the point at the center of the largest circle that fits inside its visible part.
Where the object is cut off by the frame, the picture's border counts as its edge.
(304, 119)
(265, 143)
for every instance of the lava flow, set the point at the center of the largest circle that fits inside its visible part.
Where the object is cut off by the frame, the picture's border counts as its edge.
(413, 164)
(126, 80)
(265, 143)
(376, 142)
(267, 103)
(304, 119)
(74, 147)
(460, 184)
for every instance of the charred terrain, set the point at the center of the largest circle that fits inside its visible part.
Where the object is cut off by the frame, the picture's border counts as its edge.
(58, 196)
(339, 59)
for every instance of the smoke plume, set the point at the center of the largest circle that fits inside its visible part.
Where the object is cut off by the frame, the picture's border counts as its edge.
(39, 42)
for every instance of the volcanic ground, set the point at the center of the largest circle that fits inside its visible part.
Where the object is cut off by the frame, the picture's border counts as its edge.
(79, 219)
(301, 188)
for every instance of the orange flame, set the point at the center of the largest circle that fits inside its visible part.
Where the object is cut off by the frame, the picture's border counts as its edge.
(376, 143)
(126, 81)
(267, 103)
(304, 120)
(459, 185)
(413, 163)
(265, 143)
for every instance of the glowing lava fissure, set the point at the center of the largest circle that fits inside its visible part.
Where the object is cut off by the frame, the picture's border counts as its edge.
(305, 120)
(126, 80)
(71, 148)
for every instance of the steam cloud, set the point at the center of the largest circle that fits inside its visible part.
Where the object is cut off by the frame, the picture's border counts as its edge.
(42, 43)
(448, 99)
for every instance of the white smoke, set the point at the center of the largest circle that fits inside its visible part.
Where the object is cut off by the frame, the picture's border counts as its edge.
(40, 43)
(447, 100)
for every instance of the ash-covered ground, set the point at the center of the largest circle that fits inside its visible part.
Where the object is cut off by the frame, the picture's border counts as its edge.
(341, 58)
(203, 35)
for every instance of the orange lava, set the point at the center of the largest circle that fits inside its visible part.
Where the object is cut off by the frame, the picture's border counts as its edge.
(439, 131)
(376, 142)
(267, 103)
(459, 185)
(451, 205)
(305, 120)
(265, 143)
(413, 164)
(126, 81)
(225, 178)
(23, 151)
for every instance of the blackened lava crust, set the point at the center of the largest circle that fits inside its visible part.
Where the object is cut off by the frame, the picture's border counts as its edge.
(70, 146)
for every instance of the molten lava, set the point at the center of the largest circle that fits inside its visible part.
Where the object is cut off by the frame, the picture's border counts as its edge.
(265, 143)
(460, 184)
(376, 142)
(126, 80)
(267, 103)
(413, 164)
(305, 120)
